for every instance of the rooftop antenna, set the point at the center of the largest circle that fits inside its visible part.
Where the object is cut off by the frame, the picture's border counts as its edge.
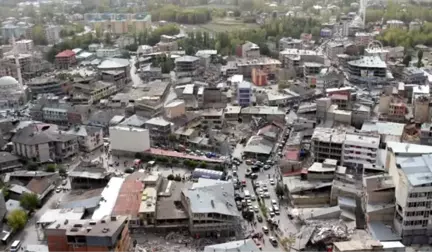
(17, 64)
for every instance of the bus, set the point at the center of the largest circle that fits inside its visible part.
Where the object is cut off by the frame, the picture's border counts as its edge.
(16, 245)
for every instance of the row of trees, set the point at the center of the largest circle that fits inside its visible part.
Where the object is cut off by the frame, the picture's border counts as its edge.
(408, 39)
(180, 15)
(406, 13)
(17, 219)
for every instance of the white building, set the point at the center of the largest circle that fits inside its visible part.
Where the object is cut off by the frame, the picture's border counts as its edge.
(89, 137)
(413, 218)
(107, 52)
(52, 34)
(12, 95)
(128, 139)
(24, 46)
(360, 149)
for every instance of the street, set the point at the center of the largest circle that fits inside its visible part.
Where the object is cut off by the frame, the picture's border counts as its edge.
(285, 224)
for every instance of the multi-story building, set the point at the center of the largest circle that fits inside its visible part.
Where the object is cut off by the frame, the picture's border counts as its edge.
(295, 58)
(395, 24)
(52, 33)
(17, 30)
(378, 198)
(93, 91)
(414, 26)
(244, 93)
(107, 52)
(413, 216)
(65, 59)
(119, 23)
(9, 162)
(129, 140)
(363, 38)
(111, 233)
(48, 85)
(41, 144)
(367, 70)
(360, 150)
(290, 43)
(266, 64)
(53, 110)
(211, 208)
(248, 50)
(24, 46)
(333, 49)
(413, 75)
(421, 109)
(89, 137)
(159, 130)
(328, 143)
(213, 118)
(188, 64)
(426, 134)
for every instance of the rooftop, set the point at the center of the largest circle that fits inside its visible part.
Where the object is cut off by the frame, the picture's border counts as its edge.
(418, 170)
(262, 61)
(129, 198)
(105, 227)
(329, 135)
(65, 53)
(259, 144)
(53, 215)
(262, 110)
(109, 196)
(247, 245)
(369, 62)
(355, 138)
(186, 58)
(113, 63)
(158, 121)
(384, 128)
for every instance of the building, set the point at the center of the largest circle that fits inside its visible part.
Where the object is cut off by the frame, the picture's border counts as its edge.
(211, 208)
(92, 92)
(259, 77)
(108, 52)
(213, 118)
(52, 33)
(188, 64)
(129, 140)
(294, 58)
(360, 150)
(40, 144)
(65, 59)
(413, 75)
(89, 137)
(367, 70)
(48, 85)
(363, 38)
(333, 49)
(426, 134)
(378, 201)
(368, 245)
(12, 94)
(395, 24)
(54, 110)
(327, 143)
(247, 245)
(24, 46)
(414, 26)
(270, 113)
(119, 23)
(20, 29)
(92, 175)
(108, 234)
(249, 50)
(244, 94)
(159, 130)
(413, 199)
(266, 64)
(421, 109)
(290, 43)
(9, 162)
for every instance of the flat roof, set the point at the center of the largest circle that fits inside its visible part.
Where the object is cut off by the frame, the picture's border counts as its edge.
(148, 200)
(368, 62)
(357, 245)
(53, 215)
(109, 198)
(362, 139)
(159, 121)
(175, 154)
(333, 135)
(384, 128)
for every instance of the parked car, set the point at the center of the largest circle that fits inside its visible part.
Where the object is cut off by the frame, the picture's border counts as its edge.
(273, 241)
(259, 218)
(265, 230)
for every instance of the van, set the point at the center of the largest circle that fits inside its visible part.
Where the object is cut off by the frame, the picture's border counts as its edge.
(247, 194)
(16, 245)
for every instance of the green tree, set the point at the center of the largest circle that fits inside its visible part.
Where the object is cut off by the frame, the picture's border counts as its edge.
(38, 33)
(29, 201)
(420, 58)
(279, 190)
(50, 168)
(17, 219)
(32, 166)
(108, 38)
(5, 192)
(62, 171)
(170, 177)
(406, 60)
(177, 177)
(203, 164)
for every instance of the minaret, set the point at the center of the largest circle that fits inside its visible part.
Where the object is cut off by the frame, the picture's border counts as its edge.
(362, 11)
(17, 64)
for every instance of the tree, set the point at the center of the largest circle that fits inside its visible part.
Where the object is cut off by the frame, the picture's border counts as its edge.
(420, 58)
(203, 164)
(17, 219)
(39, 35)
(50, 168)
(406, 60)
(177, 178)
(287, 242)
(31, 166)
(5, 192)
(279, 190)
(170, 177)
(107, 38)
(29, 201)
(62, 171)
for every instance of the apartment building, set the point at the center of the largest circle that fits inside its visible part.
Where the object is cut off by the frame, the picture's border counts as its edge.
(367, 70)
(426, 134)
(107, 52)
(244, 93)
(413, 75)
(413, 218)
(41, 144)
(65, 59)
(159, 130)
(89, 137)
(24, 46)
(187, 63)
(213, 118)
(211, 208)
(111, 233)
(94, 91)
(52, 33)
(327, 143)
(363, 38)
(360, 150)
(48, 85)
(295, 58)
(421, 109)
(290, 43)
(378, 199)
(248, 50)
(119, 23)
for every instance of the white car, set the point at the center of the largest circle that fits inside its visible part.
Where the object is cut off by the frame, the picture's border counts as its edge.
(256, 209)
(258, 190)
(272, 182)
(253, 198)
(274, 202)
(264, 188)
(266, 195)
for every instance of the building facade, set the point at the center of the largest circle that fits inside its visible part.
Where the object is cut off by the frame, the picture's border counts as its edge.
(360, 150)
(244, 93)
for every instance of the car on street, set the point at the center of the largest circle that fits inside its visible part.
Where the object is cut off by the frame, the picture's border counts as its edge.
(243, 183)
(273, 241)
(248, 202)
(266, 195)
(64, 182)
(265, 230)
(272, 182)
(258, 190)
(264, 188)
(248, 173)
(254, 176)
(259, 218)
(276, 210)
(256, 209)
(274, 202)
(249, 162)
(253, 197)
(58, 189)
(267, 167)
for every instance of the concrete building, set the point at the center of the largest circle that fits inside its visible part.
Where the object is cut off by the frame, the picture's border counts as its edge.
(327, 143)
(52, 33)
(234, 246)
(47, 85)
(24, 46)
(295, 58)
(413, 75)
(421, 109)
(413, 199)
(369, 245)
(40, 144)
(129, 140)
(244, 93)
(213, 118)
(378, 201)
(363, 38)
(159, 130)
(89, 137)
(175, 109)
(211, 208)
(12, 94)
(395, 24)
(9, 162)
(92, 92)
(108, 52)
(119, 23)
(414, 26)
(360, 150)
(367, 70)
(65, 59)
(426, 134)
(249, 50)
(290, 43)
(108, 234)
(187, 64)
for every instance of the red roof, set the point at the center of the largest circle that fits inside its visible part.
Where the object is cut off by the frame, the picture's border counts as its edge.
(66, 53)
(129, 198)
